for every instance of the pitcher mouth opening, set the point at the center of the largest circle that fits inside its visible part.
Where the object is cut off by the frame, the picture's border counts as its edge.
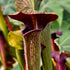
(28, 32)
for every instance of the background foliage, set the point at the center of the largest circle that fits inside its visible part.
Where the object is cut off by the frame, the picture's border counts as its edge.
(60, 7)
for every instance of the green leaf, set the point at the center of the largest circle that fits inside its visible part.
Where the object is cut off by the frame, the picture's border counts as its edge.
(3, 2)
(65, 4)
(15, 39)
(10, 9)
(54, 26)
(57, 41)
(64, 40)
(66, 15)
(17, 67)
(11, 1)
(52, 6)
(3, 26)
(46, 1)
(16, 22)
(43, 6)
(20, 55)
(55, 7)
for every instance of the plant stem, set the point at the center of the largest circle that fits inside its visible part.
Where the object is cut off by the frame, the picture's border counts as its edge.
(3, 25)
(35, 4)
(2, 51)
(46, 52)
(20, 58)
(32, 50)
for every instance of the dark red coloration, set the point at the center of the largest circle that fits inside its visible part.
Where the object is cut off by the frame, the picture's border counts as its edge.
(24, 63)
(34, 21)
(53, 37)
(2, 50)
(42, 47)
(54, 47)
(60, 60)
(8, 22)
(63, 56)
(55, 33)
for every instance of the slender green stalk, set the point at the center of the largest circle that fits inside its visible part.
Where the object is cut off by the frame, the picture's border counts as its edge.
(3, 25)
(46, 52)
(20, 58)
(35, 4)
